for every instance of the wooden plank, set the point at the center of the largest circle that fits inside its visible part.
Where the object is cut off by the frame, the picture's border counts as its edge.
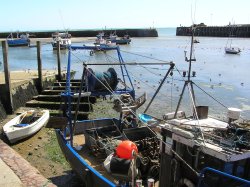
(59, 60)
(39, 65)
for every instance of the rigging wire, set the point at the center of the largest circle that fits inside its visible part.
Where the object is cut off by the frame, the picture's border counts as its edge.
(109, 58)
(143, 67)
(171, 104)
(195, 112)
(210, 95)
(167, 97)
(112, 93)
(152, 58)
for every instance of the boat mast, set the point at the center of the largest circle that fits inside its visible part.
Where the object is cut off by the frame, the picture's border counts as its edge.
(188, 81)
(191, 54)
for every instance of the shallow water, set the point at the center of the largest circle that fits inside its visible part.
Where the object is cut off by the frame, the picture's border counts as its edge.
(221, 75)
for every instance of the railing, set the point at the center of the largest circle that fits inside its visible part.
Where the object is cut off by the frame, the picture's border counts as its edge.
(245, 183)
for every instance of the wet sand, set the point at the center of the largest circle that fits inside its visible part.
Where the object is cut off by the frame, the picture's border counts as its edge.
(18, 76)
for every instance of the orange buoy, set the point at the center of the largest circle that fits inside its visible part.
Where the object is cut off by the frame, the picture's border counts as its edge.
(125, 149)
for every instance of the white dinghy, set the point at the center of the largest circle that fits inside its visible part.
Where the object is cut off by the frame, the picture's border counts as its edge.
(25, 124)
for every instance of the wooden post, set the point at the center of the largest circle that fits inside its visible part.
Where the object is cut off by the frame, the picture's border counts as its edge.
(39, 64)
(10, 108)
(58, 60)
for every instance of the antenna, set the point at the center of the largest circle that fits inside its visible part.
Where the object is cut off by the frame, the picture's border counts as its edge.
(193, 13)
(60, 13)
(195, 10)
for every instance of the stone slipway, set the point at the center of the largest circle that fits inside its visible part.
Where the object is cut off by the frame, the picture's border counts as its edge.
(16, 171)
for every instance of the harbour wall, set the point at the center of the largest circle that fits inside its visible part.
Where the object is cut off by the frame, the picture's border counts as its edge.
(151, 32)
(242, 31)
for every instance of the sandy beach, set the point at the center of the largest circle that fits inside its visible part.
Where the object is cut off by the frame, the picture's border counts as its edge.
(25, 75)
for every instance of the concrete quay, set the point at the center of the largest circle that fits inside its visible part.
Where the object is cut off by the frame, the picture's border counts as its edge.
(16, 171)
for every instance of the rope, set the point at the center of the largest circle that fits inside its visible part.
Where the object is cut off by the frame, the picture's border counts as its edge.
(210, 95)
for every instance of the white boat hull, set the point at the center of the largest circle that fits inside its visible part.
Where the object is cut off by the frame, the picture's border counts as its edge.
(15, 134)
(232, 50)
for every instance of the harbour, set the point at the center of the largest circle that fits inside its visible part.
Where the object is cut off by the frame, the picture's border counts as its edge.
(226, 78)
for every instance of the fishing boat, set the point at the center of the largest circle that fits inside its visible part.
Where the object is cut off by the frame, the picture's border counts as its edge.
(102, 44)
(20, 40)
(25, 125)
(201, 150)
(89, 145)
(102, 40)
(196, 149)
(113, 38)
(123, 40)
(64, 40)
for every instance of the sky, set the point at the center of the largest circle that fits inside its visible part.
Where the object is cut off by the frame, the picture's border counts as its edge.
(35, 15)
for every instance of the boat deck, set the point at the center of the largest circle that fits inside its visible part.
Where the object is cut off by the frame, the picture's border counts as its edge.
(93, 160)
(90, 158)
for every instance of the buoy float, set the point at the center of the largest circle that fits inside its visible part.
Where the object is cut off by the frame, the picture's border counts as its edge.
(125, 149)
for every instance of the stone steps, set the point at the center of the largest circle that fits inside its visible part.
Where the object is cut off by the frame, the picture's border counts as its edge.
(57, 98)
(51, 99)
(85, 107)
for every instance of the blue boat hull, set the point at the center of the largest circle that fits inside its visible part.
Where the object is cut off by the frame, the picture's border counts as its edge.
(123, 41)
(88, 175)
(18, 42)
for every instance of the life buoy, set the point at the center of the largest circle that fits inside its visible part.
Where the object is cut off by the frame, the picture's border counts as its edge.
(184, 182)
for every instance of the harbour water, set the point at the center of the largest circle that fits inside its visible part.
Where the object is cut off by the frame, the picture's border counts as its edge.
(223, 76)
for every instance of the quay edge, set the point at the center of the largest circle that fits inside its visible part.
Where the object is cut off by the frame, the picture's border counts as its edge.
(151, 32)
(242, 31)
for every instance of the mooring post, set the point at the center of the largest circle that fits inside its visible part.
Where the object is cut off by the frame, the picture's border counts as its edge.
(39, 64)
(9, 108)
(58, 60)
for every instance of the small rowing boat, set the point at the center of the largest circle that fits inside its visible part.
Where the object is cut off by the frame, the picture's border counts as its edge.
(25, 125)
